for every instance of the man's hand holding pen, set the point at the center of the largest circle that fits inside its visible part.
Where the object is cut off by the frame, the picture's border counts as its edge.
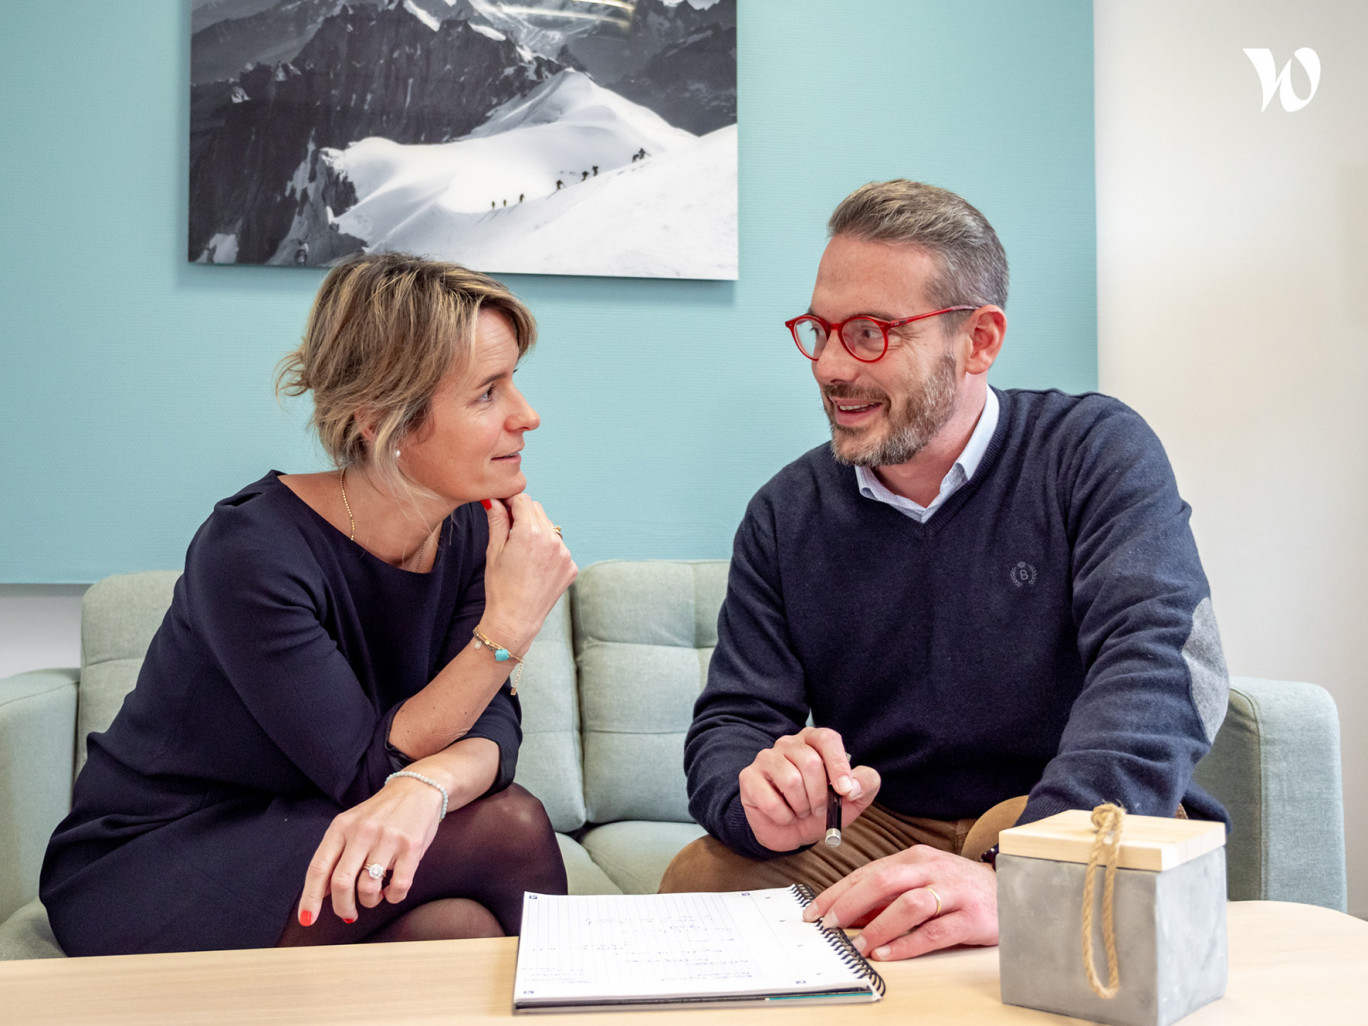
(784, 791)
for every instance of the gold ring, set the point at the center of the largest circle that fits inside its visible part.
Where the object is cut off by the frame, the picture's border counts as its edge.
(938, 901)
(556, 528)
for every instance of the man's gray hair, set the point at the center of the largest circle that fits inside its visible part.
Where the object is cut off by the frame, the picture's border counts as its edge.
(973, 266)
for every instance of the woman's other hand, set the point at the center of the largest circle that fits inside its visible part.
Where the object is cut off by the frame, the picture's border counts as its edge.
(393, 828)
(527, 568)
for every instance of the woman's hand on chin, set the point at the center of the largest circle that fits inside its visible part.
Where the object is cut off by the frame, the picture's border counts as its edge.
(527, 568)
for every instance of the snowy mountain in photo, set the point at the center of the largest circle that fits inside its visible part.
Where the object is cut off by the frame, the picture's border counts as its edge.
(691, 83)
(546, 27)
(636, 196)
(366, 71)
(670, 218)
(226, 36)
(542, 136)
(204, 13)
(253, 33)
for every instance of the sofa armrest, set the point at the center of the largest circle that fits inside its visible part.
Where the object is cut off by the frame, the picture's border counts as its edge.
(37, 757)
(1275, 765)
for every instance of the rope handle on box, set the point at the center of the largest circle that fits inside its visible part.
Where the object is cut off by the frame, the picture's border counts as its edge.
(1106, 851)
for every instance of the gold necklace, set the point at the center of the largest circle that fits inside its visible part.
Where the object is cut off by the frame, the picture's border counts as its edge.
(351, 536)
(342, 480)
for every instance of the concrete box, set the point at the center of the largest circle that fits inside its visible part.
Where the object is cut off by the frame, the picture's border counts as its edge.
(1169, 913)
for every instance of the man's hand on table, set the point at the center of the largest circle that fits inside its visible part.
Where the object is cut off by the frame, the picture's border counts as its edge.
(896, 900)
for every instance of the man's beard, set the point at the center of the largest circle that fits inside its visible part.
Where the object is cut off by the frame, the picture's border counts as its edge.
(911, 426)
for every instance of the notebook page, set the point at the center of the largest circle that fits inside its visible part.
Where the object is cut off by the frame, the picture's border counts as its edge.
(657, 945)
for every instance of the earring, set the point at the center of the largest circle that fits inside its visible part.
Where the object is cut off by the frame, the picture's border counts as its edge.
(396, 454)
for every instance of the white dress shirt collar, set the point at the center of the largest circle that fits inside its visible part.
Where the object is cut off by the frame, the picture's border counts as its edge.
(958, 476)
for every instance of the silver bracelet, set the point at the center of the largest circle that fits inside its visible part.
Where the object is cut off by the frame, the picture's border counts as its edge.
(426, 780)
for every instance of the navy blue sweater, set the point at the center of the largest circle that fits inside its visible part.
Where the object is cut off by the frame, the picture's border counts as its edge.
(1048, 631)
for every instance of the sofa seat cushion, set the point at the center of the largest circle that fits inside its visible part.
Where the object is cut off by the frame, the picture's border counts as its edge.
(581, 874)
(634, 853)
(26, 934)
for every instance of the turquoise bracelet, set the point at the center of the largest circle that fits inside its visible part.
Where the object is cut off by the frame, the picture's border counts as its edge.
(426, 780)
(501, 655)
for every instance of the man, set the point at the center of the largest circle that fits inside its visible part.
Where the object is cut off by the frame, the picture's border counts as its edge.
(989, 602)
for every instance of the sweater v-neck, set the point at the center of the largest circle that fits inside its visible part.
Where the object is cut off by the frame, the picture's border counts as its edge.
(946, 511)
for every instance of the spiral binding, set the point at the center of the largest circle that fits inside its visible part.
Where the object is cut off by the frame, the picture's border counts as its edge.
(849, 954)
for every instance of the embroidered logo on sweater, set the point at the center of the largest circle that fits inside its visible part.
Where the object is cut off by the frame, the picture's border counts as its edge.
(1023, 574)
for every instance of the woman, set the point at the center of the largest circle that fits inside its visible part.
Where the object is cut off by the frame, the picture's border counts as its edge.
(322, 739)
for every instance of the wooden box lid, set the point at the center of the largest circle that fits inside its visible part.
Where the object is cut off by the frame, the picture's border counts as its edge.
(1147, 842)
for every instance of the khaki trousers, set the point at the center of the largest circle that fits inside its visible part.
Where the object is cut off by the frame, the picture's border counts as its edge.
(709, 865)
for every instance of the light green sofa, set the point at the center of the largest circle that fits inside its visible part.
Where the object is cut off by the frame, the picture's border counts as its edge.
(607, 694)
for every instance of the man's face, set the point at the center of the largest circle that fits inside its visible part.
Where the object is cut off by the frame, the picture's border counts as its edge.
(883, 413)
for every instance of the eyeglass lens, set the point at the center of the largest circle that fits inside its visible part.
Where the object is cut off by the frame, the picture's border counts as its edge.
(862, 337)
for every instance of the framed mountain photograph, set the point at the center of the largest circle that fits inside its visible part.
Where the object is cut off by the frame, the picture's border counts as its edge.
(540, 137)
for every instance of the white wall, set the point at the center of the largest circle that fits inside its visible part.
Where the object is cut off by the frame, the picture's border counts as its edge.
(1232, 293)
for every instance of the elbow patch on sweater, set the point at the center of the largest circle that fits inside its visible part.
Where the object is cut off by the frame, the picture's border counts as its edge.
(1207, 669)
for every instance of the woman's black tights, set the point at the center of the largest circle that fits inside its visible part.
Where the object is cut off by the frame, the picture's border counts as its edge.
(469, 883)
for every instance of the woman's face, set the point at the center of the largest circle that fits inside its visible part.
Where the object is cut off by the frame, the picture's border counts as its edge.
(470, 446)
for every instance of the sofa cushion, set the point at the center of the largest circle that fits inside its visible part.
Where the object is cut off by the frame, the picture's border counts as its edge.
(644, 633)
(581, 874)
(119, 615)
(634, 853)
(549, 760)
(26, 934)
(37, 710)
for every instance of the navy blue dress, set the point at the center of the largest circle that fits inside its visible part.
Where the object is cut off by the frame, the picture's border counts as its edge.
(262, 711)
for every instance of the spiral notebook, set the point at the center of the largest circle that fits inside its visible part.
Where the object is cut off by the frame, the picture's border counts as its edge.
(587, 952)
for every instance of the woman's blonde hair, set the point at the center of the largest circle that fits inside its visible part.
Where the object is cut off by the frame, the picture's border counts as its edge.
(384, 330)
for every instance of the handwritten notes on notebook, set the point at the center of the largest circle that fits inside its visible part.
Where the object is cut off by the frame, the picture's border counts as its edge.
(597, 951)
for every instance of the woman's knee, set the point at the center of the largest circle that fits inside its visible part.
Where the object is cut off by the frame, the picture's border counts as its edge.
(517, 819)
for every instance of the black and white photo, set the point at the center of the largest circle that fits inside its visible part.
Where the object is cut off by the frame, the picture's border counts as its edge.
(542, 137)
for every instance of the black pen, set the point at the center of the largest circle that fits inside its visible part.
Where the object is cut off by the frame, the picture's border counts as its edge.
(833, 833)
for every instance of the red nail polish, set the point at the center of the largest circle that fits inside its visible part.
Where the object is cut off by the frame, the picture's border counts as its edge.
(305, 917)
(486, 503)
(349, 921)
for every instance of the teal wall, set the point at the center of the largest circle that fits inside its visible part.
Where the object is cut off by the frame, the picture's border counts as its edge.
(136, 389)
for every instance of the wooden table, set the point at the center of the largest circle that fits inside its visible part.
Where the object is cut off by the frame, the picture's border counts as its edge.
(1288, 964)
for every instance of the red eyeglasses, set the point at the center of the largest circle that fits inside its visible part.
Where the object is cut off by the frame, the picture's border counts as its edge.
(865, 338)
